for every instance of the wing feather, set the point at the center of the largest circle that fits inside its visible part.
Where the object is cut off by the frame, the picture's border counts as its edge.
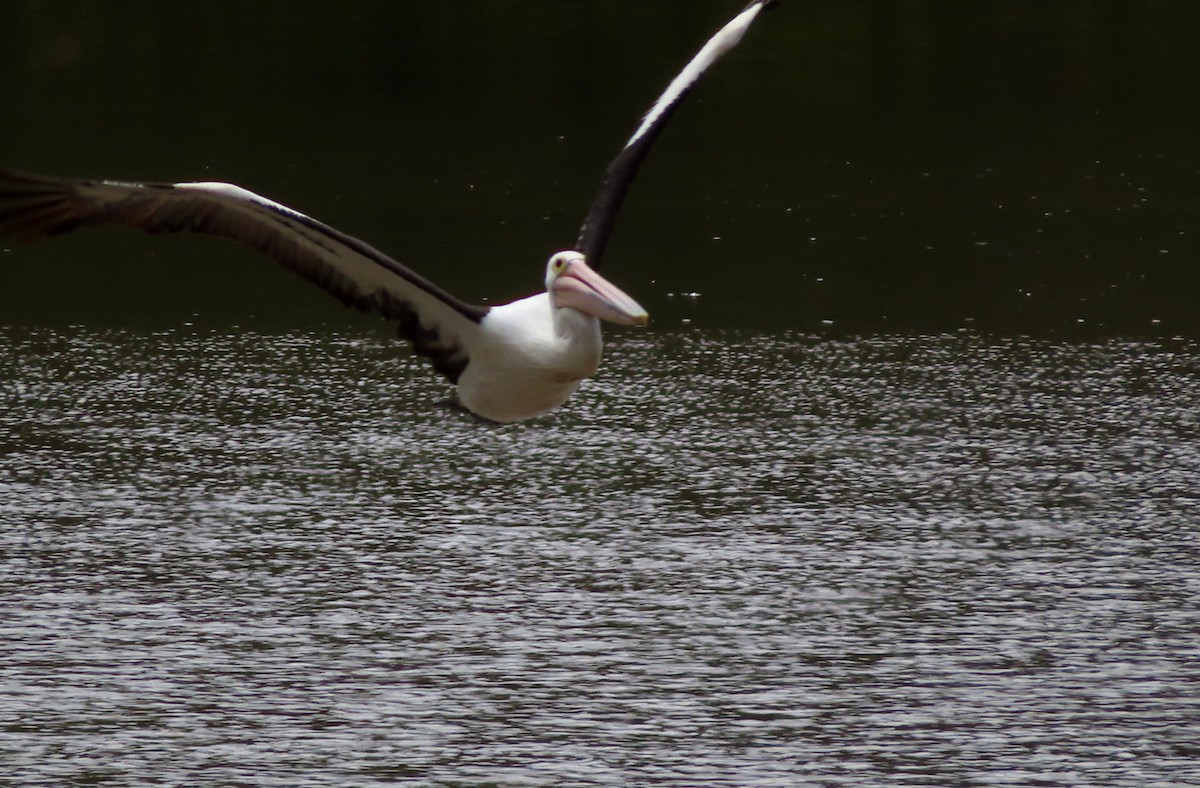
(598, 224)
(439, 325)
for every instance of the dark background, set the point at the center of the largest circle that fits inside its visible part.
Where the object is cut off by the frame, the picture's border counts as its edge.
(855, 166)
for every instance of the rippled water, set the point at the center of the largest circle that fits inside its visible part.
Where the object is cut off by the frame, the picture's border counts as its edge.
(275, 559)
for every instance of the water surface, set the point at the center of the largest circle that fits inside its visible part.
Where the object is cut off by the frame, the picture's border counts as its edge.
(275, 558)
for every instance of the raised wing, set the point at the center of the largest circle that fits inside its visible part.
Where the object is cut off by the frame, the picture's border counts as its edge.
(439, 325)
(598, 225)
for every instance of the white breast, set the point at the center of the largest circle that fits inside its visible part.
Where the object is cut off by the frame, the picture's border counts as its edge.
(528, 359)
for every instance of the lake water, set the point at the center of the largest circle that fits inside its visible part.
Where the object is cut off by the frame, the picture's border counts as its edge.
(901, 488)
(269, 558)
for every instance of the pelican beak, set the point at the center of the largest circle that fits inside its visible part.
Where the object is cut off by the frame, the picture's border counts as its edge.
(581, 288)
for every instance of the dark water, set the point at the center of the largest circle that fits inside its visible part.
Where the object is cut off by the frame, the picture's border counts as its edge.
(893, 166)
(274, 559)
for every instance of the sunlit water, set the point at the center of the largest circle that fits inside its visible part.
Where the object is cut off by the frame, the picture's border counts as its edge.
(244, 558)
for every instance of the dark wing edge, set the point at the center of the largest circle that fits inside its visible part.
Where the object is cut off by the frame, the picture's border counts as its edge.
(602, 215)
(33, 207)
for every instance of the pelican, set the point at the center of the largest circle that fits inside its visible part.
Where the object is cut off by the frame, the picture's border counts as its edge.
(509, 362)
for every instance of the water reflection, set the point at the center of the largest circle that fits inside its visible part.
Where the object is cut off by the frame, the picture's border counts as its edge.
(235, 556)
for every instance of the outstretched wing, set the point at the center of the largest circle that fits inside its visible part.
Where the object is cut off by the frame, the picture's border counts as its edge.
(439, 325)
(597, 226)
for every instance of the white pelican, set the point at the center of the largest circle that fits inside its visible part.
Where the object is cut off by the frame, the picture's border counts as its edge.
(509, 362)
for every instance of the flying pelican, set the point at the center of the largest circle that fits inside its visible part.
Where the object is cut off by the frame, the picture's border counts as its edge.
(509, 362)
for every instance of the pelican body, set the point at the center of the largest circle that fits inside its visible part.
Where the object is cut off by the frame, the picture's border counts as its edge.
(509, 362)
(526, 365)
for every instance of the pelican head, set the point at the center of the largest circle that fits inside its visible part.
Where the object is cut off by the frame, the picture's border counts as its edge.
(571, 283)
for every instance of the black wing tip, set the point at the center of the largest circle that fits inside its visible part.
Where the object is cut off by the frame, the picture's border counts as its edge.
(33, 207)
(14, 182)
(13, 174)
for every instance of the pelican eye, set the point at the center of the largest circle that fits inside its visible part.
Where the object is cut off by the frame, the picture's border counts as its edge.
(560, 265)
